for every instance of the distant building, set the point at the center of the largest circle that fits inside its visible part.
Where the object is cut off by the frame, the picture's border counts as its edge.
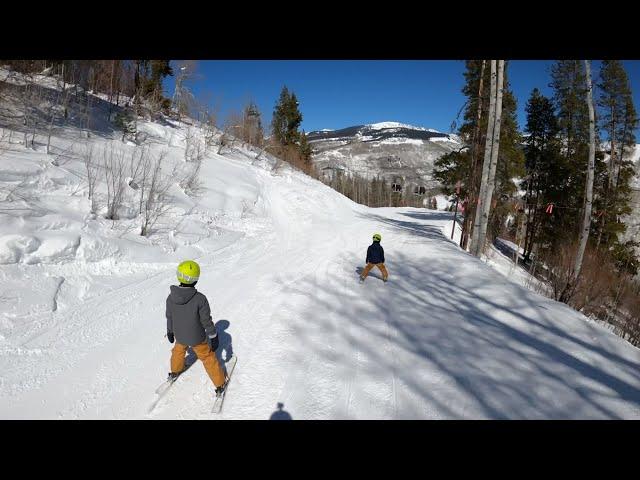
(331, 172)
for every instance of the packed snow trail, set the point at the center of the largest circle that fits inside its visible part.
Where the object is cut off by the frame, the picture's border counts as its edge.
(447, 337)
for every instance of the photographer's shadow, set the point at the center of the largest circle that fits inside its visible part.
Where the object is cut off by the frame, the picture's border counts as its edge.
(280, 413)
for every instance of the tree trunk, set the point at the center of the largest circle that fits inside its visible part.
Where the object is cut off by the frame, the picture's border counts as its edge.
(482, 198)
(586, 222)
(486, 161)
(535, 223)
(495, 147)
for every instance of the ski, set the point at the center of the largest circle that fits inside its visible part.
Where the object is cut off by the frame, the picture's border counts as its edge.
(162, 390)
(217, 404)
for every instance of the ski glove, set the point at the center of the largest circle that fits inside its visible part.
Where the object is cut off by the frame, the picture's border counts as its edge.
(213, 343)
(170, 337)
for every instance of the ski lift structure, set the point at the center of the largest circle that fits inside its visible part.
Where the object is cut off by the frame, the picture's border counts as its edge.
(397, 184)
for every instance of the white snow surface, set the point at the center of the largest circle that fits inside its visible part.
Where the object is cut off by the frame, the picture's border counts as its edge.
(444, 202)
(404, 141)
(82, 320)
(383, 125)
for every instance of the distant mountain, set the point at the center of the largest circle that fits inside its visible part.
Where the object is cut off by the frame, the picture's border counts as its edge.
(399, 153)
(382, 131)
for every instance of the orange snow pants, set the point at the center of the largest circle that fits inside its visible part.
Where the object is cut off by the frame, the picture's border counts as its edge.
(369, 266)
(205, 355)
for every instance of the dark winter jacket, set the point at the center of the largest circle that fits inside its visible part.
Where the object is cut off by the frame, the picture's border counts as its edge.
(189, 316)
(375, 253)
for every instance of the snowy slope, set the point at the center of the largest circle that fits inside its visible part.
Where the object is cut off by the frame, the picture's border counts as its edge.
(82, 321)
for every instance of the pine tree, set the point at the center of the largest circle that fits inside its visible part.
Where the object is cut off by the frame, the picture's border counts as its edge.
(279, 122)
(305, 148)
(450, 168)
(568, 81)
(473, 131)
(289, 141)
(294, 119)
(148, 78)
(510, 163)
(618, 120)
(541, 162)
(286, 118)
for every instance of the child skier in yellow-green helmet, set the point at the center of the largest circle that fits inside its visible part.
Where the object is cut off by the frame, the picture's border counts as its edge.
(189, 324)
(375, 258)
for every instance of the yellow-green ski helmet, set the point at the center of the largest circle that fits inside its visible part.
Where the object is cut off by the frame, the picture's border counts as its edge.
(188, 272)
(377, 237)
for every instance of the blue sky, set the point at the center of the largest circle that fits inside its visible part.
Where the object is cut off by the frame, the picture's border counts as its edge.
(340, 93)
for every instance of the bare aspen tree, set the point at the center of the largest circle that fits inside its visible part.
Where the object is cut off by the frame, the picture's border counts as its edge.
(191, 182)
(192, 147)
(136, 166)
(34, 115)
(4, 139)
(264, 144)
(142, 180)
(206, 114)
(232, 127)
(28, 100)
(586, 222)
(92, 174)
(491, 178)
(114, 170)
(209, 130)
(486, 162)
(86, 114)
(65, 96)
(156, 203)
(113, 74)
(182, 97)
(188, 140)
(52, 116)
(199, 152)
(66, 93)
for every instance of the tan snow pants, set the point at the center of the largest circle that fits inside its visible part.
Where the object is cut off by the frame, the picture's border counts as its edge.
(369, 266)
(205, 355)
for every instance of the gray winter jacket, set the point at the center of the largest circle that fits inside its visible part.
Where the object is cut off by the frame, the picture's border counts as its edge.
(189, 316)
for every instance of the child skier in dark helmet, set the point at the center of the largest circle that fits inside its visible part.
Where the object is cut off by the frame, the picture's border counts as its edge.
(189, 324)
(375, 258)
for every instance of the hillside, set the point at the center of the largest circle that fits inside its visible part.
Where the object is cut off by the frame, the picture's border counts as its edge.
(397, 152)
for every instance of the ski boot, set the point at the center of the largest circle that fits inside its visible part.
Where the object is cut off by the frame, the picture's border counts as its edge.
(220, 390)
